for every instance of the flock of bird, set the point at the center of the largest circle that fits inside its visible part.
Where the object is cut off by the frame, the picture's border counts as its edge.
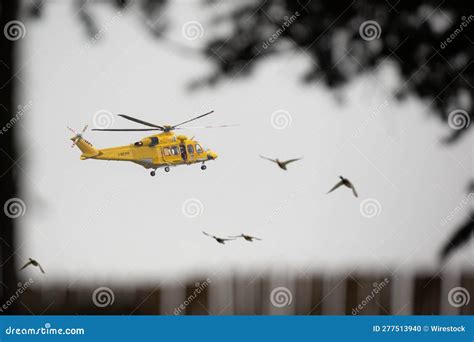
(222, 240)
(230, 238)
(282, 165)
(343, 182)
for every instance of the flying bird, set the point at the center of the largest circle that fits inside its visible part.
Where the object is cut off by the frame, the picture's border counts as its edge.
(34, 263)
(281, 163)
(218, 239)
(345, 182)
(246, 237)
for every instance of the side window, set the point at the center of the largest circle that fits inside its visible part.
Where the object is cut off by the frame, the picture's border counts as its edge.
(198, 148)
(174, 150)
(166, 151)
(190, 149)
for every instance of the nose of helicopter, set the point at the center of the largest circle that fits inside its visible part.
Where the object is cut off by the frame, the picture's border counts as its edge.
(211, 155)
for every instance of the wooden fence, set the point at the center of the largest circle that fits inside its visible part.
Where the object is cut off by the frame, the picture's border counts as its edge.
(268, 294)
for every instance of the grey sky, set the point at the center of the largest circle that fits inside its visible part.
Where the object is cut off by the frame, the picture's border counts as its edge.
(94, 220)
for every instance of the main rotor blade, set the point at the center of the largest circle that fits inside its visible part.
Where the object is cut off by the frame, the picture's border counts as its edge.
(199, 127)
(140, 121)
(197, 117)
(126, 129)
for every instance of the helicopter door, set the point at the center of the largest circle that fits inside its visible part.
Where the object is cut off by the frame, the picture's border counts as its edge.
(184, 154)
(191, 153)
(172, 155)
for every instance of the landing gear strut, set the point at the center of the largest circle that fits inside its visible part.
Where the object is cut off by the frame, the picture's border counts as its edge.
(203, 167)
(167, 169)
(152, 173)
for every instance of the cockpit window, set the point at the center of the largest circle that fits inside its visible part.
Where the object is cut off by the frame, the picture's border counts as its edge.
(198, 148)
(190, 149)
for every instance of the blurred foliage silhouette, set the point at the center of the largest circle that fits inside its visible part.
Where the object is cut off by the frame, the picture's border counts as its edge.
(462, 235)
(411, 36)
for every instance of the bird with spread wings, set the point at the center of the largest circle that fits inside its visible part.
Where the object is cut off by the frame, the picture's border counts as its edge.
(218, 239)
(246, 237)
(33, 262)
(281, 163)
(347, 183)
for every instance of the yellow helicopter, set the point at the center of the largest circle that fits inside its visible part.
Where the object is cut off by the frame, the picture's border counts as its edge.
(161, 150)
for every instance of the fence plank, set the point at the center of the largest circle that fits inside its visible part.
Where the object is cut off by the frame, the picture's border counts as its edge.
(196, 299)
(368, 295)
(303, 292)
(449, 281)
(308, 295)
(246, 295)
(402, 286)
(467, 281)
(29, 302)
(148, 301)
(334, 296)
(427, 295)
(221, 301)
(172, 300)
(262, 296)
(316, 296)
(385, 298)
(280, 296)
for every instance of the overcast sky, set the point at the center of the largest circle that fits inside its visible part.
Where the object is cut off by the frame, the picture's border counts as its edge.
(97, 219)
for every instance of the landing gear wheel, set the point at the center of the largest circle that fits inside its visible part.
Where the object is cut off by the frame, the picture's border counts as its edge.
(203, 167)
(167, 169)
(152, 173)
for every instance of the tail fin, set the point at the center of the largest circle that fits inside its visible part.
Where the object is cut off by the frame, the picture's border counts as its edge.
(88, 151)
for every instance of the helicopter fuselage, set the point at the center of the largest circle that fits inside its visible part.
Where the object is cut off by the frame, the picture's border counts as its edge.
(152, 152)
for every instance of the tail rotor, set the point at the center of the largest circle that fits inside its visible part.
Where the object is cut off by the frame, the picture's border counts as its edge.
(77, 136)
